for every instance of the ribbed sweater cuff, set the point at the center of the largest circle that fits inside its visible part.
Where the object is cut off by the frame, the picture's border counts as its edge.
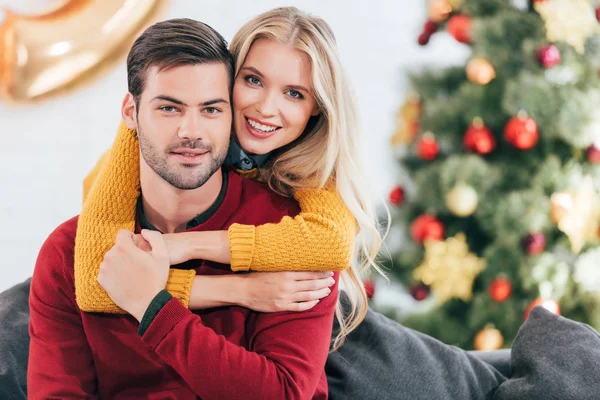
(180, 284)
(241, 245)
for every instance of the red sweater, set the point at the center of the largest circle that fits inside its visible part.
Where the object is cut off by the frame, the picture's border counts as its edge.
(222, 353)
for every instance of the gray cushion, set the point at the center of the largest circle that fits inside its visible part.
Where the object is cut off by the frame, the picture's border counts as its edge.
(14, 341)
(553, 358)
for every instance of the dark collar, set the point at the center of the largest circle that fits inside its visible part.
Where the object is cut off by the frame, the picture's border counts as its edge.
(239, 159)
(197, 220)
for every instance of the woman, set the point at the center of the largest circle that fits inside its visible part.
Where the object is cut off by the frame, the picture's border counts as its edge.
(294, 119)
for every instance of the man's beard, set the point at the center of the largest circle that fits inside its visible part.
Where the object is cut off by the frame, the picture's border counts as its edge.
(195, 176)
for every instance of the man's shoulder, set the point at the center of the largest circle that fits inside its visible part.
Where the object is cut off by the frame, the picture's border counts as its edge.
(64, 234)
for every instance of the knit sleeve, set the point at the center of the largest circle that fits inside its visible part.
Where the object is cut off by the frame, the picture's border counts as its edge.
(320, 238)
(111, 192)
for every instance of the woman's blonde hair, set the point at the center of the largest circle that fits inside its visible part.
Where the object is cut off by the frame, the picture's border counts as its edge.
(327, 152)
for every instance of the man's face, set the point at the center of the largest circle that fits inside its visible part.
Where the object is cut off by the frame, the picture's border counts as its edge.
(184, 122)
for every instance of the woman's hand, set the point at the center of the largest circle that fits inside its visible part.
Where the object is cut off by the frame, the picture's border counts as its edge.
(283, 291)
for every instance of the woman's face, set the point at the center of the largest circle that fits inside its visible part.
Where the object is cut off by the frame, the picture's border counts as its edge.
(272, 97)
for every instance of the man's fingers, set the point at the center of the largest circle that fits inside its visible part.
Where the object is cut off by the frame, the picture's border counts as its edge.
(124, 236)
(157, 242)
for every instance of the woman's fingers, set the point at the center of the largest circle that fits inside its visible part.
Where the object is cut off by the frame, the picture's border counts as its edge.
(315, 284)
(307, 275)
(310, 295)
(307, 305)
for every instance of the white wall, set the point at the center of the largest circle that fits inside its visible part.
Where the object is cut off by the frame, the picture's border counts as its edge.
(46, 148)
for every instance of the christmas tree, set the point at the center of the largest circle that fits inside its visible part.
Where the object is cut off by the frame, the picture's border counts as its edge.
(500, 211)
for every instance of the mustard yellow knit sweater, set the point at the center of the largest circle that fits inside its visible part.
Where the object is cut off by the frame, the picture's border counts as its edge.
(320, 238)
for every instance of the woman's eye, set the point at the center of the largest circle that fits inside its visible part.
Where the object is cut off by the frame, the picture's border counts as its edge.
(252, 80)
(295, 94)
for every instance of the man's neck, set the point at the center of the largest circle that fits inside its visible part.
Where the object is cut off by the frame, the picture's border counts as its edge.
(170, 209)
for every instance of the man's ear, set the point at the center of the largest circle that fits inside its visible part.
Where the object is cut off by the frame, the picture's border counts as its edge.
(128, 112)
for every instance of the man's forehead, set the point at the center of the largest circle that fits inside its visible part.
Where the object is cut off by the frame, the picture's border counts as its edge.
(199, 81)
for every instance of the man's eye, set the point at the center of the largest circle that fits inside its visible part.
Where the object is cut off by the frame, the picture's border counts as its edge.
(168, 109)
(212, 110)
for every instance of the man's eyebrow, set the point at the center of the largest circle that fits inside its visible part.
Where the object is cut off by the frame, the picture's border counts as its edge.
(204, 104)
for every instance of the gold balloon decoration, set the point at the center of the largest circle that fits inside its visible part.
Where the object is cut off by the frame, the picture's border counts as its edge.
(480, 71)
(449, 268)
(438, 10)
(570, 21)
(407, 121)
(577, 214)
(42, 53)
(462, 200)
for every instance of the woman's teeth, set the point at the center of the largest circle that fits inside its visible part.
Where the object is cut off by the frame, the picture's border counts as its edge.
(260, 127)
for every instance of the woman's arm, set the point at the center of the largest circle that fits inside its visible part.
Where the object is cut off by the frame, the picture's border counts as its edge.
(320, 238)
(262, 291)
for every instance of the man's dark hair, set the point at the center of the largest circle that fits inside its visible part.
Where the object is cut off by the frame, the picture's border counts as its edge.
(174, 43)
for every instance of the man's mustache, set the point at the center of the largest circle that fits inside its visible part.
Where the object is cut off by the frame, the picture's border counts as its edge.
(190, 144)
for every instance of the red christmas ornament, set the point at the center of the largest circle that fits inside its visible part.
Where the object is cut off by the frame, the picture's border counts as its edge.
(548, 304)
(534, 243)
(369, 288)
(397, 196)
(521, 131)
(593, 154)
(479, 138)
(598, 13)
(425, 227)
(419, 292)
(548, 56)
(427, 147)
(423, 38)
(430, 27)
(459, 26)
(500, 289)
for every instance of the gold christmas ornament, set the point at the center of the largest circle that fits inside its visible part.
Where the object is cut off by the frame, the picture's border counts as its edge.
(407, 121)
(570, 21)
(438, 10)
(577, 214)
(449, 268)
(42, 53)
(480, 71)
(487, 339)
(462, 200)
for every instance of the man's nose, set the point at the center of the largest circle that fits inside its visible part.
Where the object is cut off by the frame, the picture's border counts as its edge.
(191, 126)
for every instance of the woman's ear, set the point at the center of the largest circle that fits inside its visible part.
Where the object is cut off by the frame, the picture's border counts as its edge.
(316, 110)
(128, 112)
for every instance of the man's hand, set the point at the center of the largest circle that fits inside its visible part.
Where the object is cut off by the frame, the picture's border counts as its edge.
(132, 277)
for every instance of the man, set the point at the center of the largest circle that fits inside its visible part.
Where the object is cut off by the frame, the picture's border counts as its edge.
(180, 76)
